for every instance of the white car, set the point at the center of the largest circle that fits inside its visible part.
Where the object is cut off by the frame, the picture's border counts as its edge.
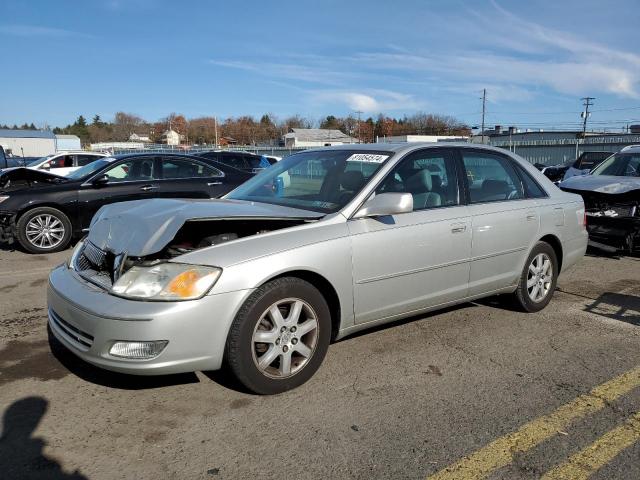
(63, 163)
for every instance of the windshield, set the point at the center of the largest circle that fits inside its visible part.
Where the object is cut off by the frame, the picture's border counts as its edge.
(38, 161)
(620, 165)
(321, 181)
(90, 168)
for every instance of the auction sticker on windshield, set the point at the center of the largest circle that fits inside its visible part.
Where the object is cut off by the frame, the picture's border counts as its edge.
(367, 158)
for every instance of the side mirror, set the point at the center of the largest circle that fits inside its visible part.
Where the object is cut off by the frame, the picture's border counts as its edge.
(386, 204)
(101, 180)
(46, 166)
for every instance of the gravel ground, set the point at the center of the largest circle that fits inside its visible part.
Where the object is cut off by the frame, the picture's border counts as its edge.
(404, 401)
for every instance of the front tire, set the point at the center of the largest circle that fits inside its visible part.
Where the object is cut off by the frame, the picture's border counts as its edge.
(538, 279)
(280, 336)
(44, 230)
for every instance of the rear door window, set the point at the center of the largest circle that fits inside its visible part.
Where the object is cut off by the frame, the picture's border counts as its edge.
(173, 168)
(491, 178)
(86, 159)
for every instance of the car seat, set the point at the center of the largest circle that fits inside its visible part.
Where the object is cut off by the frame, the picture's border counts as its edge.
(420, 185)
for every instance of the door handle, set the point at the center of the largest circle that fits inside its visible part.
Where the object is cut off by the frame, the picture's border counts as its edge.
(458, 227)
(209, 184)
(146, 188)
(531, 216)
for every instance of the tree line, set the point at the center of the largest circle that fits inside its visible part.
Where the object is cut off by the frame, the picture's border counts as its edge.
(247, 130)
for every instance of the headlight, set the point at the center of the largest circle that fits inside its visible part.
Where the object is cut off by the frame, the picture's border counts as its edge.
(74, 256)
(166, 281)
(2, 199)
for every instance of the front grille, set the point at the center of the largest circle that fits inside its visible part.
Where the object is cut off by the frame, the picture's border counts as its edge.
(94, 255)
(80, 339)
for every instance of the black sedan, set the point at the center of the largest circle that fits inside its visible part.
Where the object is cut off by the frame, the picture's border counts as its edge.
(44, 212)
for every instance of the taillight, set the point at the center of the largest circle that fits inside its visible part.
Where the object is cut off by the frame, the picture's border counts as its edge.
(584, 219)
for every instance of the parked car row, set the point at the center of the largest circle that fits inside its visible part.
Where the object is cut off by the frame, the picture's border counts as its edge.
(320, 245)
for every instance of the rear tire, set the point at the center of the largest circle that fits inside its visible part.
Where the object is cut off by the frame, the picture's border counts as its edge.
(538, 279)
(279, 337)
(44, 230)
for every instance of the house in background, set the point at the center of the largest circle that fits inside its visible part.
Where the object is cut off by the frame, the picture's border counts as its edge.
(316, 137)
(140, 137)
(171, 137)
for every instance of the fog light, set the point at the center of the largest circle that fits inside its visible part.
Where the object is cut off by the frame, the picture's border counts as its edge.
(138, 350)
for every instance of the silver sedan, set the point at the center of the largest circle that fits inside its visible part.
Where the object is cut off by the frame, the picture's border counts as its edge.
(322, 244)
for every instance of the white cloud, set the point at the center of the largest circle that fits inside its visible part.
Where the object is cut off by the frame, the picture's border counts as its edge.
(372, 101)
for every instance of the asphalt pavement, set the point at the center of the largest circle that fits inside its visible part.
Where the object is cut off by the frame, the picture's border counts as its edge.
(476, 391)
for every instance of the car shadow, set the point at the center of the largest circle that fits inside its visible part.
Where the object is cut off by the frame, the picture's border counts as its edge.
(106, 378)
(22, 454)
(404, 321)
(617, 306)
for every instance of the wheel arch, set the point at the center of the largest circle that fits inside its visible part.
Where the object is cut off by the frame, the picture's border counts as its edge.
(556, 244)
(325, 287)
(28, 208)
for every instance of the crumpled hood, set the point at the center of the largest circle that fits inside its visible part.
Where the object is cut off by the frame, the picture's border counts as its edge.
(602, 183)
(24, 177)
(143, 227)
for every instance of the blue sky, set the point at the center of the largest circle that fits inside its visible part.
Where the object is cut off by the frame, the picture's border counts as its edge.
(536, 59)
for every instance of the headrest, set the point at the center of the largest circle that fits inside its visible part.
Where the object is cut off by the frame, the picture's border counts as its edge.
(352, 180)
(420, 182)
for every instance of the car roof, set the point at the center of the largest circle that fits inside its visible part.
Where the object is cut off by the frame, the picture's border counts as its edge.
(405, 147)
(631, 149)
(215, 163)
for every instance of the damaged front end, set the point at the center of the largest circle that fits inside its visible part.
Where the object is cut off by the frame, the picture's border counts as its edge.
(105, 267)
(613, 220)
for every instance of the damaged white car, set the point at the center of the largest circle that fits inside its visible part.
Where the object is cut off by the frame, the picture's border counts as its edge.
(611, 194)
(265, 278)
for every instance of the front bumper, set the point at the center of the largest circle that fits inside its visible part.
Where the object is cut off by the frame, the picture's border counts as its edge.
(87, 321)
(7, 227)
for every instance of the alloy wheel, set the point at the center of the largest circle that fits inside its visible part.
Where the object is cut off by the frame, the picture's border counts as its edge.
(45, 231)
(285, 338)
(539, 277)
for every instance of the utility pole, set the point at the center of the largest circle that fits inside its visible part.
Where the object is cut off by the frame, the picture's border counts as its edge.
(587, 102)
(215, 128)
(484, 107)
(359, 112)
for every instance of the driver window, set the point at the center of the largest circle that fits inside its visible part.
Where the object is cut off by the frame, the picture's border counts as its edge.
(428, 175)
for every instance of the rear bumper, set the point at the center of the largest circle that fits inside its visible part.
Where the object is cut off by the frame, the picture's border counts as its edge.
(88, 321)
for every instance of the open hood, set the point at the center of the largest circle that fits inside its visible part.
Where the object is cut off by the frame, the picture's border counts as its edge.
(145, 227)
(606, 184)
(23, 177)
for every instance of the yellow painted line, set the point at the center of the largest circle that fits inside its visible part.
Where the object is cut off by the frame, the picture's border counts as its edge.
(584, 463)
(500, 452)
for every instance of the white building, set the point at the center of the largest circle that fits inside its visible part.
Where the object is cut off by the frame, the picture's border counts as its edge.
(421, 138)
(171, 137)
(316, 137)
(112, 146)
(28, 143)
(67, 142)
(139, 137)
